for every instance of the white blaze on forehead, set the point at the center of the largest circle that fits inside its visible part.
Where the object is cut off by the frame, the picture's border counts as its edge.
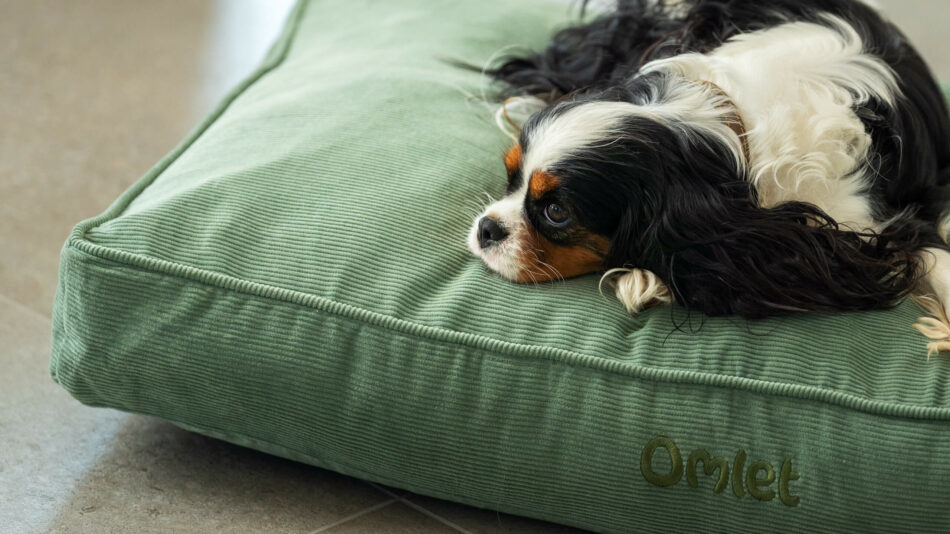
(508, 210)
(582, 126)
(593, 124)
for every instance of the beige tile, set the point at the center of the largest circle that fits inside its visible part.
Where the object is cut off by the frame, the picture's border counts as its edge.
(395, 518)
(474, 520)
(71, 468)
(24, 354)
(163, 479)
(92, 94)
(48, 439)
(481, 521)
(393, 492)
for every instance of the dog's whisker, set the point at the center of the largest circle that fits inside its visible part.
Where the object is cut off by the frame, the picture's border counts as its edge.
(554, 272)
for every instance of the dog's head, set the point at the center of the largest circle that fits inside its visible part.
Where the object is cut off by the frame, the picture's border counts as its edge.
(654, 176)
(592, 180)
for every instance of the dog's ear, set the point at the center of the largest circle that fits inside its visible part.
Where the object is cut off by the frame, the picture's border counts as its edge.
(721, 254)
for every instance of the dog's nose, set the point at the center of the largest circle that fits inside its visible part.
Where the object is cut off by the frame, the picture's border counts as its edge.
(490, 232)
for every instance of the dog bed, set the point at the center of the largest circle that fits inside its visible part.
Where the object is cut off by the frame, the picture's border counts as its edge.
(293, 278)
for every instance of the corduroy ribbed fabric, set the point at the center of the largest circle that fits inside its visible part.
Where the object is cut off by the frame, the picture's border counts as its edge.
(294, 278)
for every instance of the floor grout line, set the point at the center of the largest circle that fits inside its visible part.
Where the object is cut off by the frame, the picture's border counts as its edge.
(377, 487)
(433, 515)
(419, 508)
(354, 516)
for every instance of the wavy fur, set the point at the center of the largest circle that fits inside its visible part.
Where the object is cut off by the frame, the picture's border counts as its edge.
(848, 136)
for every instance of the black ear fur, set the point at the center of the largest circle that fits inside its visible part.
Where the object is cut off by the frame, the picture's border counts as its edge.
(695, 222)
(726, 256)
(591, 56)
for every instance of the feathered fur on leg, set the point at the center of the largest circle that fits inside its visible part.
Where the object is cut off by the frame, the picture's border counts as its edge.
(638, 289)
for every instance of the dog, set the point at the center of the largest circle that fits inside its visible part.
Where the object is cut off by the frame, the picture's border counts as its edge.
(737, 157)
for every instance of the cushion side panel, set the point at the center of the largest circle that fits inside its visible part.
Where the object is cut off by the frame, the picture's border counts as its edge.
(528, 436)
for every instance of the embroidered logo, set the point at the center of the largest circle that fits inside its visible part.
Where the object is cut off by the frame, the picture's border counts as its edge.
(757, 480)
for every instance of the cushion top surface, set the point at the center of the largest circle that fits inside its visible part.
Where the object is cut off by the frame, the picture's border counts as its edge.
(345, 188)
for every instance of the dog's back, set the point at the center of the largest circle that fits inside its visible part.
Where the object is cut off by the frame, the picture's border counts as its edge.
(911, 140)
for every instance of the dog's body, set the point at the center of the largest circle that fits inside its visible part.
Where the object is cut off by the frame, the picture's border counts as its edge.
(750, 157)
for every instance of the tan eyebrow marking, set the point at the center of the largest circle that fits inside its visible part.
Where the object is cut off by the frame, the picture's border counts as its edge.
(513, 158)
(541, 183)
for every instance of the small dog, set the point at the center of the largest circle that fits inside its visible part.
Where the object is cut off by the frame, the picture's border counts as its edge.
(749, 157)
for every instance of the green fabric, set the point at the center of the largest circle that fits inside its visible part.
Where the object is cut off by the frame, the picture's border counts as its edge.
(294, 278)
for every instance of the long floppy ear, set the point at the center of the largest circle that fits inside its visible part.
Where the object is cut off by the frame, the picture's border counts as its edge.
(583, 56)
(723, 255)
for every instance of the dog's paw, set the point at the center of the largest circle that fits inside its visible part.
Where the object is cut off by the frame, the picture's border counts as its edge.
(638, 289)
(936, 327)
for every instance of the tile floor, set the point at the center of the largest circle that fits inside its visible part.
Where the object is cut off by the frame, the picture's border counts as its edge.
(91, 94)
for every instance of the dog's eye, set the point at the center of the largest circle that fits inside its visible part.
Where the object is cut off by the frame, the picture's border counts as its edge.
(556, 215)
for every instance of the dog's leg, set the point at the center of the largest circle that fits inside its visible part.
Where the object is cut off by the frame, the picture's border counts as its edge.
(638, 289)
(935, 299)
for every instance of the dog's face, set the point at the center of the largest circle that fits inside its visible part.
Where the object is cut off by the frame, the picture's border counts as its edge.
(557, 217)
(587, 180)
(540, 230)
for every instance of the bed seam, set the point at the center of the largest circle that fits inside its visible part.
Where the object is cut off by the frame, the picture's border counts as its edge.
(350, 312)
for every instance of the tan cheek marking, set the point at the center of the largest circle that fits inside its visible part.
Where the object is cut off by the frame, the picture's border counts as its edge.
(566, 261)
(541, 183)
(513, 158)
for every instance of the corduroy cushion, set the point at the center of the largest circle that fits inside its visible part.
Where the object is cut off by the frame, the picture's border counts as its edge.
(293, 278)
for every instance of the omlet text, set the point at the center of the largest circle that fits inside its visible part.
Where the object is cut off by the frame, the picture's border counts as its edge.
(756, 480)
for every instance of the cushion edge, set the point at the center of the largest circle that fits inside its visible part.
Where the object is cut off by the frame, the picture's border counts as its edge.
(124, 259)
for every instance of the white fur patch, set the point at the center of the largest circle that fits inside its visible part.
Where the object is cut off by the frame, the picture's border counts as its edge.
(594, 124)
(936, 299)
(794, 86)
(637, 289)
(943, 229)
(584, 126)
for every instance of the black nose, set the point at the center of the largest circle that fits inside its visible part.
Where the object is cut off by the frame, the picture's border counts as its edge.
(489, 232)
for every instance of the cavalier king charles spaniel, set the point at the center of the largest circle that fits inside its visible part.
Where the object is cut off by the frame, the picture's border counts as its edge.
(748, 157)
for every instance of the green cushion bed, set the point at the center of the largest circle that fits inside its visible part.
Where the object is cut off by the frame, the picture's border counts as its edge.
(294, 278)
